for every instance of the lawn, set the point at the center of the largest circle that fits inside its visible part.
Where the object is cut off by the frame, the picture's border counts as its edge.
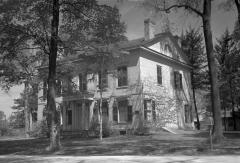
(162, 143)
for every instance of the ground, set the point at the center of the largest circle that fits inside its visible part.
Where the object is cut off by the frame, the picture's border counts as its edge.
(191, 145)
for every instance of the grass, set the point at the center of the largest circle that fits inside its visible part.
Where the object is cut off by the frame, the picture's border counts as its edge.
(161, 143)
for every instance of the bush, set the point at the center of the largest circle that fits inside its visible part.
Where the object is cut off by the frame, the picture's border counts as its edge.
(95, 129)
(40, 130)
(137, 125)
(4, 131)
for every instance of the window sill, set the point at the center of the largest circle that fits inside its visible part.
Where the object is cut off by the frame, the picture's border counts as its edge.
(122, 87)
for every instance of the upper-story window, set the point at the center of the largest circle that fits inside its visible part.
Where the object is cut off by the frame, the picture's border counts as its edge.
(159, 75)
(82, 82)
(122, 76)
(58, 87)
(102, 79)
(178, 80)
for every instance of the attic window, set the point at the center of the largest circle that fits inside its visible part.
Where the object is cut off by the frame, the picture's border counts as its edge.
(167, 48)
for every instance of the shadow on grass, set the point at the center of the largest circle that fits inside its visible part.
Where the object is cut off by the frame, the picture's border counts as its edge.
(118, 145)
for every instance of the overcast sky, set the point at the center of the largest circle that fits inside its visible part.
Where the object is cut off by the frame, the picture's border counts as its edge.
(133, 15)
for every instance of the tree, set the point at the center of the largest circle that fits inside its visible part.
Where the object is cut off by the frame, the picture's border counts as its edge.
(228, 4)
(109, 30)
(21, 70)
(228, 72)
(192, 45)
(38, 22)
(203, 10)
(2, 115)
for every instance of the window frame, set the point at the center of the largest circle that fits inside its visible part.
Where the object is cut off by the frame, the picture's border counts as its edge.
(117, 112)
(104, 79)
(122, 79)
(82, 82)
(178, 80)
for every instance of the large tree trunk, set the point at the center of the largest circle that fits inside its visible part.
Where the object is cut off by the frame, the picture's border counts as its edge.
(216, 106)
(27, 110)
(51, 104)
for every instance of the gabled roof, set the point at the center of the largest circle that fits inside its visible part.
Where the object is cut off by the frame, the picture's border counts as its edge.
(141, 42)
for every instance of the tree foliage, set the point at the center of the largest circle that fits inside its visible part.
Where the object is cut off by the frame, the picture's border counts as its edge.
(229, 75)
(193, 47)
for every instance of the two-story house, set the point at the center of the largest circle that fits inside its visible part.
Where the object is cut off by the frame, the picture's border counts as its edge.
(154, 83)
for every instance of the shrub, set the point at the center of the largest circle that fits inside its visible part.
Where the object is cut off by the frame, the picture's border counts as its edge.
(40, 130)
(95, 129)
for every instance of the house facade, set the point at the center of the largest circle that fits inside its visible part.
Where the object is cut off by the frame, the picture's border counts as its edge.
(151, 82)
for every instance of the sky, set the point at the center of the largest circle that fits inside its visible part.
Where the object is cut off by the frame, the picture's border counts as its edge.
(134, 15)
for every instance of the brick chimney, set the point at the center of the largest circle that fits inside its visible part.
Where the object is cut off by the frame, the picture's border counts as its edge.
(149, 28)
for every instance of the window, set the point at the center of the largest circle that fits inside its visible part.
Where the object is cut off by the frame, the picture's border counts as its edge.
(149, 110)
(167, 47)
(122, 76)
(58, 88)
(178, 80)
(82, 82)
(122, 113)
(69, 117)
(105, 108)
(159, 74)
(102, 78)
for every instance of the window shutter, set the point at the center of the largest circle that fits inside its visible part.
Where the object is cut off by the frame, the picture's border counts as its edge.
(159, 74)
(153, 111)
(69, 116)
(180, 81)
(115, 114)
(129, 113)
(145, 109)
(175, 80)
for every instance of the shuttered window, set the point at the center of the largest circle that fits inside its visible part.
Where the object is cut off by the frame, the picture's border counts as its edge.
(122, 76)
(82, 82)
(105, 108)
(102, 78)
(58, 88)
(178, 80)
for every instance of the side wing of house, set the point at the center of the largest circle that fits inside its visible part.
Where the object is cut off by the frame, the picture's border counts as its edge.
(167, 86)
